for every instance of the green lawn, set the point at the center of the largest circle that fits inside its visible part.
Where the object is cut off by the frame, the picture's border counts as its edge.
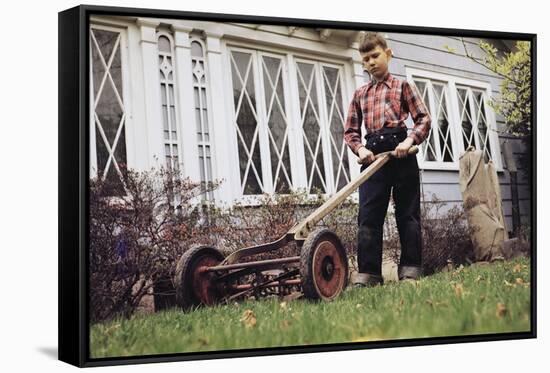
(478, 299)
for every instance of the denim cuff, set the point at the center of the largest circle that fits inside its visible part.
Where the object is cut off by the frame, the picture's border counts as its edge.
(413, 272)
(368, 279)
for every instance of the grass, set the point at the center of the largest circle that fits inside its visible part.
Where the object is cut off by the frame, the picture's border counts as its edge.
(477, 299)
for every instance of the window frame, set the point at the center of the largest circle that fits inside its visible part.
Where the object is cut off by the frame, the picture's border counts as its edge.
(295, 142)
(263, 139)
(177, 126)
(318, 66)
(126, 72)
(210, 171)
(452, 81)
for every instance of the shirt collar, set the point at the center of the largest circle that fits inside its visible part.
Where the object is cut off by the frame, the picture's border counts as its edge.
(387, 79)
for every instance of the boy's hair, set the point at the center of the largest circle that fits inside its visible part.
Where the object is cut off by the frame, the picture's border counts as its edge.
(370, 40)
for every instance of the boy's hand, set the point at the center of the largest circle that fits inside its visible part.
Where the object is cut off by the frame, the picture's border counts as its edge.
(402, 150)
(365, 155)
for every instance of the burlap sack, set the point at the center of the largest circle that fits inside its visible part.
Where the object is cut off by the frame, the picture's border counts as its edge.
(495, 203)
(482, 203)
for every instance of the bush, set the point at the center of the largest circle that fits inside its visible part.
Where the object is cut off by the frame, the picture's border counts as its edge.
(445, 236)
(242, 226)
(135, 240)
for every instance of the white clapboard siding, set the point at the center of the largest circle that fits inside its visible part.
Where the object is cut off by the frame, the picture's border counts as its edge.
(430, 53)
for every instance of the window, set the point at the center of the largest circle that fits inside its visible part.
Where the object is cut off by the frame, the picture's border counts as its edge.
(473, 119)
(168, 99)
(200, 94)
(322, 123)
(289, 121)
(108, 137)
(460, 118)
(438, 146)
(261, 122)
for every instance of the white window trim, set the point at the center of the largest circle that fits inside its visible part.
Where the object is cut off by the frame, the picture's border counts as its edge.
(126, 97)
(452, 82)
(295, 141)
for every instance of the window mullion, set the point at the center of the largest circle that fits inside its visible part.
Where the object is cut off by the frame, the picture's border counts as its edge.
(92, 124)
(291, 137)
(492, 128)
(263, 134)
(473, 115)
(456, 123)
(325, 128)
(299, 169)
(435, 128)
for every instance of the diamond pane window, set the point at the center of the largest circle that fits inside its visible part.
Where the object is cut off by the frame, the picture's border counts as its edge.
(428, 147)
(442, 117)
(108, 107)
(289, 122)
(333, 100)
(246, 122)
(438, 146)
(481, 120)
(473, 116)
(277, 123)
(465, 114)
(311, 127)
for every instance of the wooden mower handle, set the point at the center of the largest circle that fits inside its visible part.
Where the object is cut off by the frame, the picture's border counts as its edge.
(302, 229)
(412, 150)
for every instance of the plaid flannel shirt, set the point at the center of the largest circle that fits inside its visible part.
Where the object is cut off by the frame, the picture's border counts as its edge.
(386, 103)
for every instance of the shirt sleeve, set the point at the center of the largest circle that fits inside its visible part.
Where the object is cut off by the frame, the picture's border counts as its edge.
(419, 113)
(352, 128)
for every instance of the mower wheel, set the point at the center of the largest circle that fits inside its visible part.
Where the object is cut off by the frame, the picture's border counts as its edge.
(323, 265)
(194, 285)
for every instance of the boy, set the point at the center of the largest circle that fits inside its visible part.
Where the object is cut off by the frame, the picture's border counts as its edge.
(383, 105)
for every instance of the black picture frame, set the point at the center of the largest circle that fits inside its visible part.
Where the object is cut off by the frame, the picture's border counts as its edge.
(74, 183)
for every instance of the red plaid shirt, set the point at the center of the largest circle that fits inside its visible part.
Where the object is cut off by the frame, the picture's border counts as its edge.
(386, 103)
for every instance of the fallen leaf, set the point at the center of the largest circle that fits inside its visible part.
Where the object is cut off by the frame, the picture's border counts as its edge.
(478, 279)
(359, 305)
(248, 319)
(293, 296)
(111, 329)
(368, 338)
(501, 310)
(459, 290)
(517, 268)
(283, 306)
(508, 284)
(519, 281)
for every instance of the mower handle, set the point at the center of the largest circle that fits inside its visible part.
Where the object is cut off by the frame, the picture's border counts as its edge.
(412, 150)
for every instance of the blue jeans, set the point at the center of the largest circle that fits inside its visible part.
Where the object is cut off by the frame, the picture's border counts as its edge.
(400, 178)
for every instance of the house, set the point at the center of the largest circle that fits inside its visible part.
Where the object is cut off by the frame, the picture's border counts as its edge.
(262, 107)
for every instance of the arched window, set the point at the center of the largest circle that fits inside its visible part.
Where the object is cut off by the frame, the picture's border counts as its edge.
(200, 94)
(168, 99)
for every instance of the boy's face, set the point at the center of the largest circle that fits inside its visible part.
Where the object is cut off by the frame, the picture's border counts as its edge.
(376, 61)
